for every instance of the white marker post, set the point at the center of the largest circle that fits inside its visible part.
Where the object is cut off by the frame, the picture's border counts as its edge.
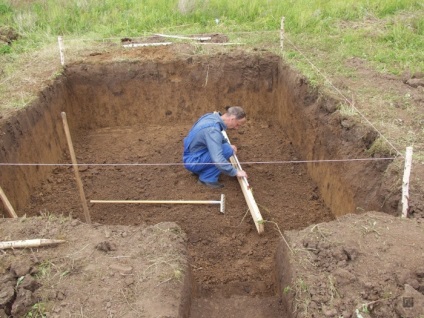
(282, 33)
(405, 182)
(61, 49)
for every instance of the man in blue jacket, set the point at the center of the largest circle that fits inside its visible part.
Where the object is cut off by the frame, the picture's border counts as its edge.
(206, 151)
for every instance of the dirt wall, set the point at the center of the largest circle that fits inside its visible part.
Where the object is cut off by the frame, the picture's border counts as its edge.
(32, 135)
(99, 93)
(319, 132)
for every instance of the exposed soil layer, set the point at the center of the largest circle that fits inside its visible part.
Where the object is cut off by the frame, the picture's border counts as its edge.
(171, 86)
(100, 271)
(128, 120)
(368, 265)
(226, 251)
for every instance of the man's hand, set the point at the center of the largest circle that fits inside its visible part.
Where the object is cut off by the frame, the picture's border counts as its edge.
(234, 148)
(241, 174)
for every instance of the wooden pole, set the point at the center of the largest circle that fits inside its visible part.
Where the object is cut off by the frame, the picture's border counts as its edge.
(62, 56)
(248, 194)
(203, 38)
(8, 206)
(29, 243)
(146, 44)
(405, 182)
(282, 34)
(75, 166)
(221, 202)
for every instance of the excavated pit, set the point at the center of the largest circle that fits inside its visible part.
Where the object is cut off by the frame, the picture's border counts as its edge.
(127, 121)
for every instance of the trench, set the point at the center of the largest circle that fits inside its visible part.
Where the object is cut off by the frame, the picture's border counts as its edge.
(128, 120)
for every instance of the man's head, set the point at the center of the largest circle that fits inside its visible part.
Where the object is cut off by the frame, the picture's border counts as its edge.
(234, 117)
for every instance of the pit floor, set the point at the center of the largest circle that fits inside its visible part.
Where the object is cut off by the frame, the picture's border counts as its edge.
(227, 255)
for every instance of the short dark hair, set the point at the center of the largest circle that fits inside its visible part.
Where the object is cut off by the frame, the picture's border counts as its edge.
(236, 111)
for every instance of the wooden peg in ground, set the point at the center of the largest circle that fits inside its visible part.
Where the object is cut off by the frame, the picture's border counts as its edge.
(7, 204)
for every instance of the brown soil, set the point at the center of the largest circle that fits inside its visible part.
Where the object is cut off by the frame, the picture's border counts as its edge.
(128, 120)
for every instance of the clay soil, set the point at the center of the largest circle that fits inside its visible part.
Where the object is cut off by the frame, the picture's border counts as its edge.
(182, 260)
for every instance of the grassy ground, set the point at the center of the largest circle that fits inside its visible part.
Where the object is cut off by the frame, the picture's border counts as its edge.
(320, 36)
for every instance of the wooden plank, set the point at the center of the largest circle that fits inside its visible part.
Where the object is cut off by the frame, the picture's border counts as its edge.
(247, 192)
(8, 206)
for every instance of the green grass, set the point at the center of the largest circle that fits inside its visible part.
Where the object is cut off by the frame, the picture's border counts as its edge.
(388, 34)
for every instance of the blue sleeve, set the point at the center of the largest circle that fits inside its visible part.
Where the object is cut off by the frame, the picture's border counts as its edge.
(214, 140)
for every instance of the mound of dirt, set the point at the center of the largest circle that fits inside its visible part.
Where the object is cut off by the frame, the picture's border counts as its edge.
(100, 271)
(368, 265)
(358, 266)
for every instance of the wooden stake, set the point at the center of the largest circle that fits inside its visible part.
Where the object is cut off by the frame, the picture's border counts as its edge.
(8, 206)
(75, 166)
(29, 243)
(62, 56)
(282, 33)
(248, 195)
(405, 182)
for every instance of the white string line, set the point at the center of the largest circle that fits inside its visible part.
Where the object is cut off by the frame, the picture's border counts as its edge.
(346, 99)
(194, 164)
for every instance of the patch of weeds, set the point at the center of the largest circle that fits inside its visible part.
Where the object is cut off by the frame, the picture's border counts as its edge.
(419, 157)
(19, 100)
(363, 309)
(38, 310)
(45, 214)
(324, 234)
(380, 148)
(346, 110)
(5, 49)
(175, 274)
(332, 287)
(57, 74)
(302, 296)
(370, 228)
(44, 269)
(50, 217)
(198, 49)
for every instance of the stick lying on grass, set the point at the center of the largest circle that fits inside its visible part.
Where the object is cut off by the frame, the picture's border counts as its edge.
(29, 243)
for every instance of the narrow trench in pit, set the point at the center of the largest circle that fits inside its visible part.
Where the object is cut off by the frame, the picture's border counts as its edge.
(125, 115)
